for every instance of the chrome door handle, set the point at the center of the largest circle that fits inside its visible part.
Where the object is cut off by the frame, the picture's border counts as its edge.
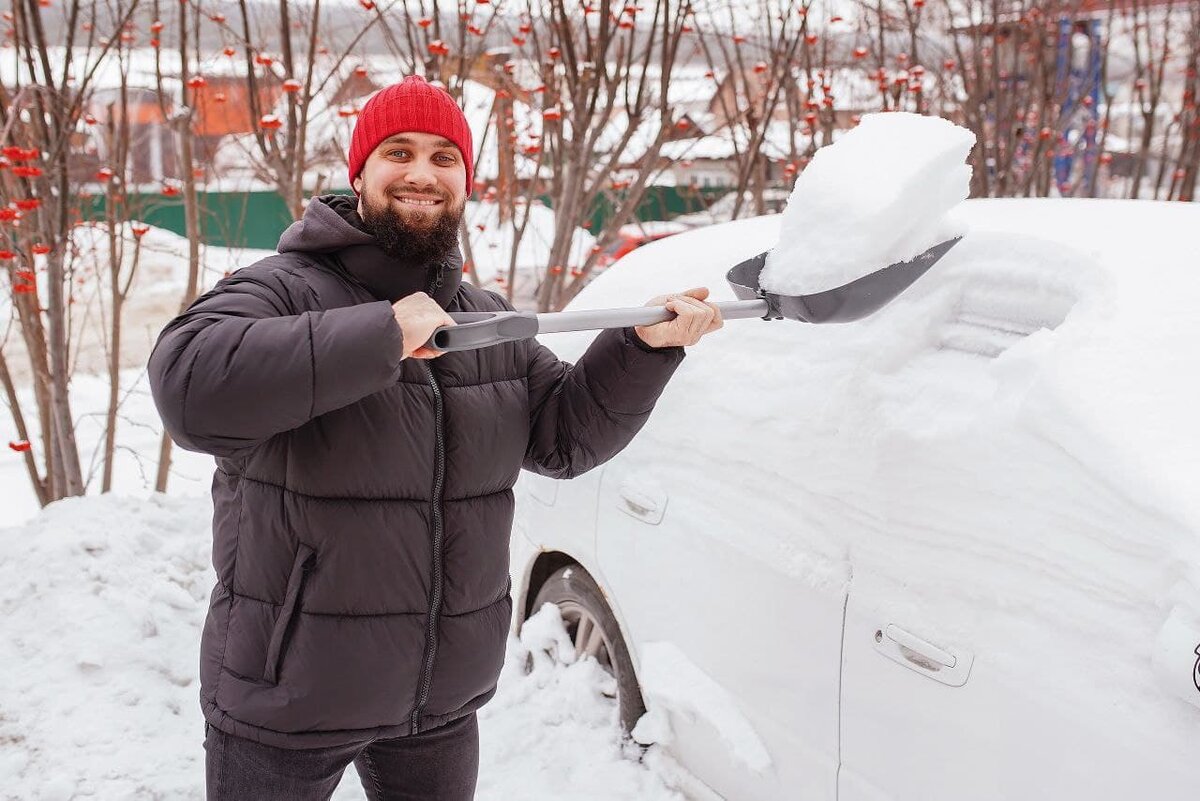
(949, 666)
(646, 503)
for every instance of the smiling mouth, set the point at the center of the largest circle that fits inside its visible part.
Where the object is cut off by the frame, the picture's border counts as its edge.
(419, 201)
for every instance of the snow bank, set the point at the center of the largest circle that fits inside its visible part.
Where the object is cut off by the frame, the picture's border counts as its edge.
(542, 689)
(881, 194)
(673, 684)
(135, 461)
(103, 599)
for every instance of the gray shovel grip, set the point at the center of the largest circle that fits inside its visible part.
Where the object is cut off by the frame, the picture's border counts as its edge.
(481, 329)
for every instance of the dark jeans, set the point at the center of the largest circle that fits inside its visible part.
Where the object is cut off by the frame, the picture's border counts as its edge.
(437, 765)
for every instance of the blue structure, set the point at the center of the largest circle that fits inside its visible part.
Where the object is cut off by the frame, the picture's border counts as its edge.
(1078, 83)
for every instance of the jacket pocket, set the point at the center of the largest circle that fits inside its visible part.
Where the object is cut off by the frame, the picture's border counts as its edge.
(291, 602)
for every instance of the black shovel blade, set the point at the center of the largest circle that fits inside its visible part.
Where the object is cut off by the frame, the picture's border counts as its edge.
(846, 303)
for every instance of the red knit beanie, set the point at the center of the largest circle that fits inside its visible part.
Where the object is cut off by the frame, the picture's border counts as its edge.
(411, 105)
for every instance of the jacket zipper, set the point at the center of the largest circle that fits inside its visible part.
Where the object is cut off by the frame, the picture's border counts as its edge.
(435, 603)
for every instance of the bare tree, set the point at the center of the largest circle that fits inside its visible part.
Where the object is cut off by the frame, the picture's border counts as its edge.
(181, 120)
(608, 82)
(40, 115)
(114, 179)
(1151, 48)
(755, 86)
(1187, 160)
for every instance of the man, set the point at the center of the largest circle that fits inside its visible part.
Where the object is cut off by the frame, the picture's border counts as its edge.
(363, 491)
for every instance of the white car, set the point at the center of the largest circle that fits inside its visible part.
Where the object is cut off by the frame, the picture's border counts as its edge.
(948, 552)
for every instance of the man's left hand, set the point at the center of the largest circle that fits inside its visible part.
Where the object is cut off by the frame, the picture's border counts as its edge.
(693, 319)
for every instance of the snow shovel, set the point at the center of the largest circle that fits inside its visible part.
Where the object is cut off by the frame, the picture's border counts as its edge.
(844, 304)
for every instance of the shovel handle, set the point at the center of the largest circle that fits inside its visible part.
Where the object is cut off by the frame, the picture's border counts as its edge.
(591, 319)
(480, 329)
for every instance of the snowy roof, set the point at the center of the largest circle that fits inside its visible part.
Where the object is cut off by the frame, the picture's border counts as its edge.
(140, 61)
(726, 142)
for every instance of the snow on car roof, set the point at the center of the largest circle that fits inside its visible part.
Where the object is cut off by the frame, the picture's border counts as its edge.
(1089, 301)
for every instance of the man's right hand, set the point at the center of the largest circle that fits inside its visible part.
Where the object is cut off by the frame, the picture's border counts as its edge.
(418, 315)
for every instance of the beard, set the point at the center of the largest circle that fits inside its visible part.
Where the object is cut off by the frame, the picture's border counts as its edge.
(417, 240)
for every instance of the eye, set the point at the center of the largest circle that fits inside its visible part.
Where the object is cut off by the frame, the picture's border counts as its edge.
(447, 157)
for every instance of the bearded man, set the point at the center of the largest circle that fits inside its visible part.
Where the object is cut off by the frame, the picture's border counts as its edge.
(363, 487)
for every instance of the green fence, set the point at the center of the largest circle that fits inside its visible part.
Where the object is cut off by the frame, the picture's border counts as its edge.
(256, 219)
(233, 219)
(659, 203)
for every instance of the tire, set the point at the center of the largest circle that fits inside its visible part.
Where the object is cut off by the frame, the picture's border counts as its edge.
(580, 601)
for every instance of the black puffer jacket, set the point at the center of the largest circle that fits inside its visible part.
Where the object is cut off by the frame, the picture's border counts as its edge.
(363, 504)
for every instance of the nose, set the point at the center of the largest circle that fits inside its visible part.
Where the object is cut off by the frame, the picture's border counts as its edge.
(420, 176)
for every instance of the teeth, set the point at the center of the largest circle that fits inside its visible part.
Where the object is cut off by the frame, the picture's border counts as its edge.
(418, 202)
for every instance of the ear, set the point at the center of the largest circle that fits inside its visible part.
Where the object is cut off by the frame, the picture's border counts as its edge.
(357, 184)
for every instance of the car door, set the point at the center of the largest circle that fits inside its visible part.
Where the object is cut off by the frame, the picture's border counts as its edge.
(733, 611)
(999, 630)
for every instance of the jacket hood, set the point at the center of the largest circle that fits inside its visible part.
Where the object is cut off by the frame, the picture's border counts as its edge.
(332, 227)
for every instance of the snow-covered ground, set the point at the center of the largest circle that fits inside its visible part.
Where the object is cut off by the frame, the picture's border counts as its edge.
(103, 599)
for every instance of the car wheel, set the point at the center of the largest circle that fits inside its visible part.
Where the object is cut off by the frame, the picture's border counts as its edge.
(593, 629)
